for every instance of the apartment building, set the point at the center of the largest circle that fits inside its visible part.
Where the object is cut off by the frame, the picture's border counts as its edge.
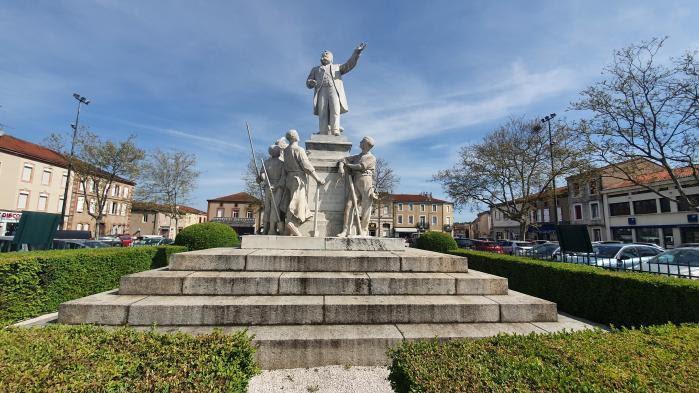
(381, 222)
(413, 213)
(115, 213)
(635, 214)
(540, 223)
(241, 211)
(586, 204)
(154, 219)
(482, 226)
(34, 177)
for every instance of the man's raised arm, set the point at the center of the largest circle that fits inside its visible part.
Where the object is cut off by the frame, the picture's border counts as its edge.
(352, 62)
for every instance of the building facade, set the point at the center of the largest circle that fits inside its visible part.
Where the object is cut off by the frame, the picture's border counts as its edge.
(416, 213)
(241, 211)
(34, 178)
(481, 227)
(540, 221)
(636, 214)
(116, 212)
(153, 219)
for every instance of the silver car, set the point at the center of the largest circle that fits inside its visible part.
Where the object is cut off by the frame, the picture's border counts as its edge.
(678, 262)
(614, 256)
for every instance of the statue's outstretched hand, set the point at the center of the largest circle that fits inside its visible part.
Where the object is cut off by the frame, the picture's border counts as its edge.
(360, 47)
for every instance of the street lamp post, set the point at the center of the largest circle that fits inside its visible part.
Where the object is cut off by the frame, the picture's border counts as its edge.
(81, 100)
(547, 120)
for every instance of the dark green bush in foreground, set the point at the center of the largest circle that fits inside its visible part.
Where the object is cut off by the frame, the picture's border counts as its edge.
(90, 359)
(207, 235)
(436, 241)
(653, 359)
(608, 297)
(36, 282)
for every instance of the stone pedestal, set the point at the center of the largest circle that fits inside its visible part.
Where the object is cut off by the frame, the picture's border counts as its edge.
(325, 151)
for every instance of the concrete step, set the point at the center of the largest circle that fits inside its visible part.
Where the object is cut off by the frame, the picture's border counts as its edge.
(233, 259)
(111, 308)
(166, 282)
(300, 346)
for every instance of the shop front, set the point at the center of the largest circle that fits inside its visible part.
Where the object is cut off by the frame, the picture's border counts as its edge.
(8, 222)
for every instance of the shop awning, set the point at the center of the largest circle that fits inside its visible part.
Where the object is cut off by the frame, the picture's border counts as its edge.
(405, 230)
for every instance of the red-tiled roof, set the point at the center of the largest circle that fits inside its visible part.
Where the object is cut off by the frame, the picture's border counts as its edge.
(654, 177)
(22, 148)
(150, 206)
(416, 198)
(242, 197)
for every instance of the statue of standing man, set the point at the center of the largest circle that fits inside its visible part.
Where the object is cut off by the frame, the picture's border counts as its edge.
(360, 191)
(329, 99)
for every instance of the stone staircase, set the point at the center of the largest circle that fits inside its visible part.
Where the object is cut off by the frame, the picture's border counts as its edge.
(313, 307)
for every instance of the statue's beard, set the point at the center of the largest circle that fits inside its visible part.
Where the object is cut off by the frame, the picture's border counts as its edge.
(325, 61)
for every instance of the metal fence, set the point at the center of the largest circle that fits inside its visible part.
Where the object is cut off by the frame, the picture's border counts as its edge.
(684, 268)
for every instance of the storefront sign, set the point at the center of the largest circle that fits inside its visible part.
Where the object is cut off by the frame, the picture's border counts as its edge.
(10, 216)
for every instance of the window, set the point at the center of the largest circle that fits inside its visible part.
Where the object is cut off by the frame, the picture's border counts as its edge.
(593, 187)
(648, 251)
(82, 186)
(447, 207)
(145, 217)
(411, 220)
(236, 213)
(400, 219)
(619, 209)
(577, 212)
(60, 204)
(538, 215)
(596, 235)
(664, 205)
(422, 208)
(93, 206)
(81, 204)
(622, 234)
(107, 207)
(547, 217)
(46, 177)
(423, 221)
(250, 214)
(560, 215)
(410, 206)
(43, 199)
(434, 220)
(27, 173)
(448, 220)
(594, 210)
(115, 190)
(684, 206)
(86, 227)
(219, 212)
(400, 207)
(79, 227)
(646, 206)
(648, 235)
(576, 189)
(123, 209)
(64, 180)
(115, 208)
(22, 200)
(385, 210)
(434, 208)
(126, 192)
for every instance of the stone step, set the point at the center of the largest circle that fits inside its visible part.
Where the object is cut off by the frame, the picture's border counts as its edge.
(302, 346)
(111, 308)
(166, 282)
(234, 259)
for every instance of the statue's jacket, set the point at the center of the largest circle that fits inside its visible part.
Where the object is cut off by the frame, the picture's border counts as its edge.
(337, 71)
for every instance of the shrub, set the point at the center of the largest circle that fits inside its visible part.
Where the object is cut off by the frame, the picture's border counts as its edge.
(652, 359)
(608, 297)
(90, 359)
(207, 235)
(436, 241)
(34, 283)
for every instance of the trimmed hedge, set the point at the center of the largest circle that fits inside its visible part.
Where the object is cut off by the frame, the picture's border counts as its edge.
(652, 359)
(90, 359)
(207, 235)
(436, 241)
(608, 297)
(36, 282)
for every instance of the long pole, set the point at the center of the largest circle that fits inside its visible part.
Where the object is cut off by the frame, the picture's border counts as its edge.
(70, 166)
(356, 205)
(271, 191)
(254, 159)
(553, 177)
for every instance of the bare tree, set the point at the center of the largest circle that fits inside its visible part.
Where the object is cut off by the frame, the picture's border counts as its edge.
(385, 181)
(511, 168)
(252, 187)
(97, 165)
(168, 179)
(647, 112)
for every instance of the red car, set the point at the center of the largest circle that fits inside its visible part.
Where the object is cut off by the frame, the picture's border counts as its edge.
(125, 240)
(480, 245)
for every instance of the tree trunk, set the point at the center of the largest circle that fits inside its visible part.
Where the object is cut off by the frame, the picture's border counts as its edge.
(522, 230)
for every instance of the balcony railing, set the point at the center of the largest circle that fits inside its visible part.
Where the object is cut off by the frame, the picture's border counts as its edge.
(235, 221)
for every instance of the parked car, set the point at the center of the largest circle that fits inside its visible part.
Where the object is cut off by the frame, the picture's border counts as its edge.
(482, 245)
(515, 247)
(616, 256)
(113, 241)
(126, 240)
(684, 245)
(543, 251)
(463, 242)
(72, 244)
(679, 261)
(152, 241)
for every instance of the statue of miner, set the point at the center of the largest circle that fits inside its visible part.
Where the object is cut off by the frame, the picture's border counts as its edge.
(274, 167)
(360, 170)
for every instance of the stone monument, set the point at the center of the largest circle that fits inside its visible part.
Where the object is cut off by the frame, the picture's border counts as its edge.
(274, 178)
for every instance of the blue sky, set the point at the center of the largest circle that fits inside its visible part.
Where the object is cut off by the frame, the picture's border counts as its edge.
(436, 75)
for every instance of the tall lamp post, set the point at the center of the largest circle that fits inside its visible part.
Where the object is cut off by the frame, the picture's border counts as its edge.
(547, 120)
(81, 100)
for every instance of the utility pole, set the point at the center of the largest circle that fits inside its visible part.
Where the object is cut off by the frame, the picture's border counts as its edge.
(547, 120)
(81, 100)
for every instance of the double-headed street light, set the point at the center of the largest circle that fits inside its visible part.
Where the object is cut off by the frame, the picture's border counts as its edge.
(547, 120)
(81, 100)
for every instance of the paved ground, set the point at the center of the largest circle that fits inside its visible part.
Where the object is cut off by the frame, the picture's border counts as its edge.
(335, 379)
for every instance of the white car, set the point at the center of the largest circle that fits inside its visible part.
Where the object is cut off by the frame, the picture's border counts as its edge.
(615, 256)
(678, 262)
(515, 247)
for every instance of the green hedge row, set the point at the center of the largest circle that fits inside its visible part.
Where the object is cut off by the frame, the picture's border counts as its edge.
(34, 283)
(651, 359)
(90, 359)
(608, 297)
